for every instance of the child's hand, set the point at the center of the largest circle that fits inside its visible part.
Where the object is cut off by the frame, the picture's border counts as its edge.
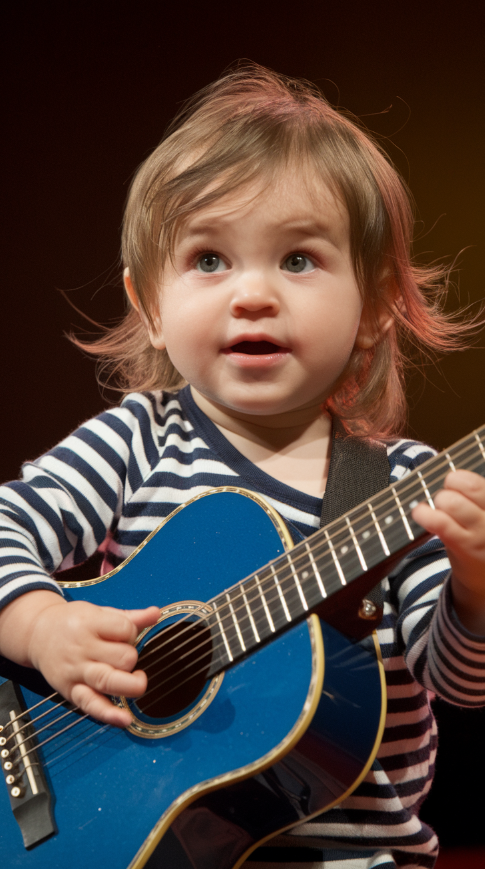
(84, 651)
(459, 521)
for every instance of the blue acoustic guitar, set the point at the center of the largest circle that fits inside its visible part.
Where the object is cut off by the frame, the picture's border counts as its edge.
(259, 712)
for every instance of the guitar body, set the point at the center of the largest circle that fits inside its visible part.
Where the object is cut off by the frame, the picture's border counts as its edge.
(279, 737)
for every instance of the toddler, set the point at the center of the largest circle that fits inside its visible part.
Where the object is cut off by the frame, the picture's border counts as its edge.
(266, 253)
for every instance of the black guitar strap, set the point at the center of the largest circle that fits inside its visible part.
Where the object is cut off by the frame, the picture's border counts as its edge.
(358, 469)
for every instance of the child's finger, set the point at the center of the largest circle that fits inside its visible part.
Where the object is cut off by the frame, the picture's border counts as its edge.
(108, 680)
(461, 527)
(469, 484)
(99, 706)
(122, 625)
(434, 521)
(121, 656)
(460, 508)
(143, 618)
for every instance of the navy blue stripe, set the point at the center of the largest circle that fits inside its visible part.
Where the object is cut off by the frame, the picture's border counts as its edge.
(33, 586)
(25, 520)
(145, 427)
(87, 511)
(407, 704)
(86, 470)
(394, 762)
(103, 449)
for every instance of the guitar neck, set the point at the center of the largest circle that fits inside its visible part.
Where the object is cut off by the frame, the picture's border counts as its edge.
(296, 583)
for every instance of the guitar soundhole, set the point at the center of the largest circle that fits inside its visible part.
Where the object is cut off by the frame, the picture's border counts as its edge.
(176, 662)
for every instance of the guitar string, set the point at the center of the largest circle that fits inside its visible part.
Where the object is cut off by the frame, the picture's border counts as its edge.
(49, 760)
(71, 725)
(56, 721)
(345, 539)
(79, 719)
(54, 735)
(269, 600)
(470, 443)
(391, 500)
(272, 587)
(91, 735)
(240, 652)
(37, 718)
(200, 645)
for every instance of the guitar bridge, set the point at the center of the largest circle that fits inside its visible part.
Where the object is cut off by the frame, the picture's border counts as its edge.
(30, 797)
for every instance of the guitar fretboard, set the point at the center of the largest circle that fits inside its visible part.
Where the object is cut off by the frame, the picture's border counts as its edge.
(287, 589)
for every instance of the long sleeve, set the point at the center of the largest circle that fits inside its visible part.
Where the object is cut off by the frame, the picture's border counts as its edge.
(456, 657)
(61, 509)
(439, 652)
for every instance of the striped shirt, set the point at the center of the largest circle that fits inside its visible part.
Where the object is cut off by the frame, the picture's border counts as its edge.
(110, 484)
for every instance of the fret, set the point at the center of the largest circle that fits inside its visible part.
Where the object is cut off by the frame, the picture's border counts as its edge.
(265, 605)
(274, 596)
(236, 623)
(223, 634)
(335, 559)
(260, 624)
(345, 552)
(464, 453)
(403, 515)
(450, 462)
(286, 576)
(392, 509)
(479, 441)
(365, 539)
(230, 611)
(257, 625)
(246, 613)
(298, 584)
(379, 532)
(318, 578)
(281, 595)
(250, 616)
(426, 491)
(357, 547)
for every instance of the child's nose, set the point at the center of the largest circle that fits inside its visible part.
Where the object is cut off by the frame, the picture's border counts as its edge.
(254, 294)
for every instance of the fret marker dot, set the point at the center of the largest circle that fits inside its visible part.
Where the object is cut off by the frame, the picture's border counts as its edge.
(413, 504)
(344, 549)
(366, 534)
(388, 520)
(305, 574)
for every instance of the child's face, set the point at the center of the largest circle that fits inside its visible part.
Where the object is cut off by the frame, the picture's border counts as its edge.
(261, 310)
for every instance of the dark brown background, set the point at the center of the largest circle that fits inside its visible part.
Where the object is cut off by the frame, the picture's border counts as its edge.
(86, 93)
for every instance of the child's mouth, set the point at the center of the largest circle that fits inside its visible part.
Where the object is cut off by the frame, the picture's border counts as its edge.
(255, 355)
(256, 348)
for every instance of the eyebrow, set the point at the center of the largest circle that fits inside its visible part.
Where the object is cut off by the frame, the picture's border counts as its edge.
(300, 227)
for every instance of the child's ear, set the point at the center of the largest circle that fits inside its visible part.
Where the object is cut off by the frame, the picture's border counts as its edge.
(154, 329)
(370, 332)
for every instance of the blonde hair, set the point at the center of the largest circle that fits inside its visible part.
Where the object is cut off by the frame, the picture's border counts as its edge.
(249, 125)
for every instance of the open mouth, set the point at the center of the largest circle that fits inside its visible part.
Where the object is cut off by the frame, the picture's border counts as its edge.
(256, 348)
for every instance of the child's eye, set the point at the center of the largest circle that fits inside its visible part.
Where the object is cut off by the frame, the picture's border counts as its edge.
(210, 263)
(297, 263)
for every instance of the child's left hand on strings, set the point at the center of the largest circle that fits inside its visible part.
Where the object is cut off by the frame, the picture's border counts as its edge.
(459, 521)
